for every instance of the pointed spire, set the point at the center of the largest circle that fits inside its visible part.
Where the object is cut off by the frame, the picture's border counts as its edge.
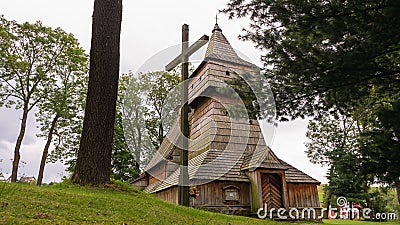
(219, 45)
(220, 49)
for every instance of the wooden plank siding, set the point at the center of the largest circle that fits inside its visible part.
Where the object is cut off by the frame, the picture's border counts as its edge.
(303, 195)
(170, 194)
(212, 194)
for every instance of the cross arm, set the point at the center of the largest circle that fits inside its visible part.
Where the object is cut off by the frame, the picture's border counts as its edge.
(192, 49)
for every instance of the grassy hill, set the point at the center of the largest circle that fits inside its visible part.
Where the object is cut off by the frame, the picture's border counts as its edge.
(113, 204)
(69, 204)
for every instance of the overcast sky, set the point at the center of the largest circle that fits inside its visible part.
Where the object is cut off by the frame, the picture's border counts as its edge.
(148, 27)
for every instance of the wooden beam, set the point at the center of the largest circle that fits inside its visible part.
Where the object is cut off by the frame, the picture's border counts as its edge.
(183, 197)
(183, 59)
(192, 49)
(285, 196)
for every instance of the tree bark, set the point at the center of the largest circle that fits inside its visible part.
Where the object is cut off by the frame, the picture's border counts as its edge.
(368, 198)
(46, 149)
(94, 155)
(139, 146)
(17, 155)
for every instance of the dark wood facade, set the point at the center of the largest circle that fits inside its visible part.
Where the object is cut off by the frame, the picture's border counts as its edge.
(223, 193)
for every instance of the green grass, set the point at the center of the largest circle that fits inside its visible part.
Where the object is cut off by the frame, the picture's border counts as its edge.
(69, 204)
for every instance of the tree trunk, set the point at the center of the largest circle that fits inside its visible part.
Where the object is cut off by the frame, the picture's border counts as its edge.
(326, 203)
(368, 198)
(21, 135)
(94, 155)
(46, 149)
(139, 147)
(397, 184)
(160, 133)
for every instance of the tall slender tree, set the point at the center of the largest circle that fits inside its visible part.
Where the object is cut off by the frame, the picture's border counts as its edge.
(62, 109)
(94, 156)
(381, 141)
(30, 55)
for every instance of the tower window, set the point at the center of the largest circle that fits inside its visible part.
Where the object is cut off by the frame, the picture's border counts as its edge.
(227, 73)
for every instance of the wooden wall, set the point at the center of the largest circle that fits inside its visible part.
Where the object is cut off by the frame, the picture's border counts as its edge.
(169, 194)
(303, 195)
(213, 193)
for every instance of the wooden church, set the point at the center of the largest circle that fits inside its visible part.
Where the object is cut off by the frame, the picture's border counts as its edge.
(231, 174)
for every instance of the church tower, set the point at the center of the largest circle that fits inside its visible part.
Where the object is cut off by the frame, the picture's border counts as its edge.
(230, 164)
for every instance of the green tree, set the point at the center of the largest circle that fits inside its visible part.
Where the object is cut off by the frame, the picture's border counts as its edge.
(66, 142)
(147, 116)
(335, 142)
(60, 112)
(93, 165)
(131, 106)
(124, 167)
(158, 120)
(380, 141)
(31, 57)
(323, 55)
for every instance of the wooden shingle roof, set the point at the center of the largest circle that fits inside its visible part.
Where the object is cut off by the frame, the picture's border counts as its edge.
(173, 179)
(262, 157)
(294, 175)
(219, 49)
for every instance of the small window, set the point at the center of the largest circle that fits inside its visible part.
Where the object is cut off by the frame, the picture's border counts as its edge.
(231, 194)
(227, 73)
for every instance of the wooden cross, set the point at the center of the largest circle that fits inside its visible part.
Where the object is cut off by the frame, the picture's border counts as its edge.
(183, 58)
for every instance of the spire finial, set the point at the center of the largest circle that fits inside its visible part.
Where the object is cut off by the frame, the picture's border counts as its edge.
(216, 27)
